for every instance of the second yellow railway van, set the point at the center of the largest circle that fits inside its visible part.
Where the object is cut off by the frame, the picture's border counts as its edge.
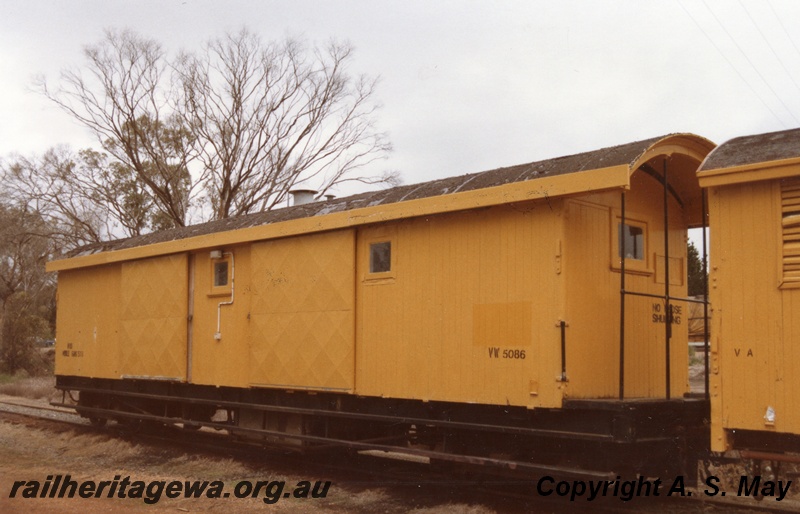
(753, 188)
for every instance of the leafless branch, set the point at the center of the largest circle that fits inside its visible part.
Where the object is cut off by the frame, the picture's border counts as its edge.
(267, 117)
(225, 131)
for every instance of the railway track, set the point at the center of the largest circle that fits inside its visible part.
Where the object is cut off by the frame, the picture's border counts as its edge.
(369, 469)
(27, 408)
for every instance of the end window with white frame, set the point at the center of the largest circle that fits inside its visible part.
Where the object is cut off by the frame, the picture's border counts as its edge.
(220, 275)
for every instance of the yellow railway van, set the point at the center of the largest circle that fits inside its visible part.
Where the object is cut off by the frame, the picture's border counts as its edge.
(533, 317)
(753, 186)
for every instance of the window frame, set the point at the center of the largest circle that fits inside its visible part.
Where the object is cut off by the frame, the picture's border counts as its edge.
(219, 290)
(373, 261)
(638, 254)
(643, 266)
(380, 276)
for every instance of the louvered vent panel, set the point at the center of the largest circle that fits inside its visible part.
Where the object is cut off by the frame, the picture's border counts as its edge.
(790, 206)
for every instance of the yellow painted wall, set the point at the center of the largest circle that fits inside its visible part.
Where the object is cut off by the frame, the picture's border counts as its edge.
(87, 323)
(755, 331)
(462, 287)
(593, 299)
(303, 308)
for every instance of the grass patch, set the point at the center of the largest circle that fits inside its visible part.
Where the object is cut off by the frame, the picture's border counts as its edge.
(34, 388)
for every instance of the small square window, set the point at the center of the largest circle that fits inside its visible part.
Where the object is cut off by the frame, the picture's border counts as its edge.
(380, 257)
(220, 273)
(631, 242)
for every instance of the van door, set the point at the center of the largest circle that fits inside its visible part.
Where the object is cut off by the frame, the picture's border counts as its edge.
(154, 297)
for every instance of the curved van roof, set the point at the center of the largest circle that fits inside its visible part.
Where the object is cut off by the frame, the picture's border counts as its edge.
(598, 170)
(750, 158)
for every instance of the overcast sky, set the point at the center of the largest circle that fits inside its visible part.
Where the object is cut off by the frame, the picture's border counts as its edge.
(465, 85)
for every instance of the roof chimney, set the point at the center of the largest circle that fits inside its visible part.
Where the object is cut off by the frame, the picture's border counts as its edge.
(302, 196)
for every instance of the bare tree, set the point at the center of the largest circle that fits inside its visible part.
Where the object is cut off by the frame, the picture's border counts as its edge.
(266, 117)
(122, 96)
(227, 131)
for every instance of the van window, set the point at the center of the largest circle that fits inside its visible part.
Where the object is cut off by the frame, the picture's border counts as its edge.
(380, 257)
(221, 273)
(631, 239)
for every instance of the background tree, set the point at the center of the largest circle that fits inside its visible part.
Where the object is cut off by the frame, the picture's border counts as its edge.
(227, 131)
(696, 271)
(84, 197)
(26, 291)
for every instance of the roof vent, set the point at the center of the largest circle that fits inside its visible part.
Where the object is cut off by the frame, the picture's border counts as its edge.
(302, 196)
(328, 198)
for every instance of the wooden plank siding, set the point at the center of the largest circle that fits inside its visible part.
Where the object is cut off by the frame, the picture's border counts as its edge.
(755, 348)
(464, 284)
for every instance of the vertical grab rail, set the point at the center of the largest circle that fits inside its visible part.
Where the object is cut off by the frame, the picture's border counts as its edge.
(668, 305)
(622, 303)
(705, 297)
(563, 325)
